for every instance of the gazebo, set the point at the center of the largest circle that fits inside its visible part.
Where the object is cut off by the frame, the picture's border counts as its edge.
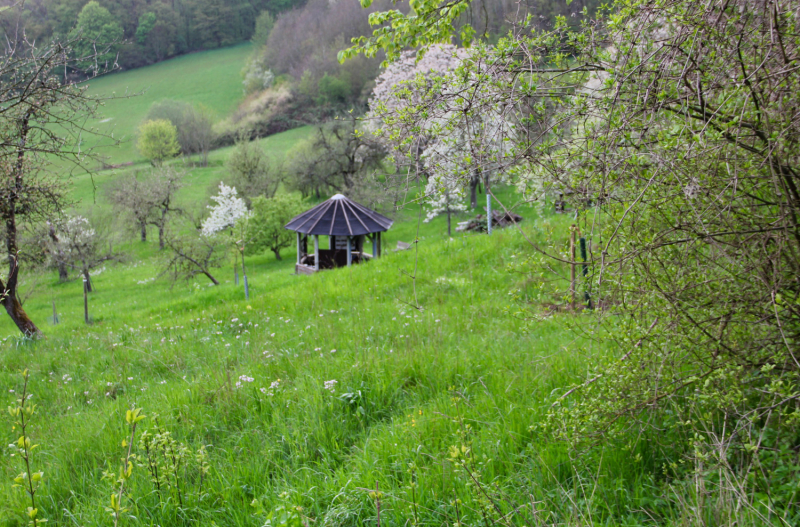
(347, 224)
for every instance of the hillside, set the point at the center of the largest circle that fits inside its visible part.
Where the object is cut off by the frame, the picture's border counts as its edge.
(211, 78)
(313, 392)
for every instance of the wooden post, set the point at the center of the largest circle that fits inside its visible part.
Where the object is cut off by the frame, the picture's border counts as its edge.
(349, 251)
(55, 315)
(572, 264)
(85, 301)
(488, 212)
(299, 247)
(380, 249)
(316, 252)
(375, 244)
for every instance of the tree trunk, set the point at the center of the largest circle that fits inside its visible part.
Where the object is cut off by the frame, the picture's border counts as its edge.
(63, 276)
(88, 278)
(473, 191)
(161, 236)
(20, 318)
(277, 254)
(213, 280)
(448, 221)
(14, 307)
(144, 231)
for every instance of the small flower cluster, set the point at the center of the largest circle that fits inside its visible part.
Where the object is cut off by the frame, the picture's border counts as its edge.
(243, 378)
(272, 387)
(331, 385)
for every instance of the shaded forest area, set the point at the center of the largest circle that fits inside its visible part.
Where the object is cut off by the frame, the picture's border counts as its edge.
(146, 31)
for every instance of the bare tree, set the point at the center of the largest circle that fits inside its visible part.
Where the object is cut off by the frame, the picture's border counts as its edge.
(163, 184)
(42, 118)
(134, 196)
(252, 172)
(192, 253)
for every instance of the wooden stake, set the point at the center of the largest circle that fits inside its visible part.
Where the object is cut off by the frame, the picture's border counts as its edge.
(85, 301)
(572, 277)
(55, 315)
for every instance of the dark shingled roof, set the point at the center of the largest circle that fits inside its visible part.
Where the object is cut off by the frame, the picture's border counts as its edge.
(339, 216)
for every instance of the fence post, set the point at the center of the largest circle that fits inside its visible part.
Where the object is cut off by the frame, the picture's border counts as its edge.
(572, 277)
(488, 212)
(85, 301)
(55, 314)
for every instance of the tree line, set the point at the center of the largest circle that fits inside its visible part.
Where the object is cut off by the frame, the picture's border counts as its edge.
(142, 31)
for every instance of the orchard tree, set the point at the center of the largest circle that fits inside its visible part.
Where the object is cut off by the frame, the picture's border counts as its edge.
(193, 125)
(163, 184)
(252, 172)
(158, 141)
(190, 253)
(134, 196)
(80, 246)
(42, 119)
(230, 214)
(270, 215)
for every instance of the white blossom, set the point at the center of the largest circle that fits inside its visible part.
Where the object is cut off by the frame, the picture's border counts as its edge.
(229, 209)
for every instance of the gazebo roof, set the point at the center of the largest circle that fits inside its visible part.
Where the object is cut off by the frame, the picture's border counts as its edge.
(339, 216)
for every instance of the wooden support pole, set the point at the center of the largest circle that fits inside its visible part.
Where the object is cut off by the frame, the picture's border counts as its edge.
(380, 248)
(572, 275)
(316, 252)
(86, 301)
(299, 247)
(349, 251)
(375, 244)
(55, 314)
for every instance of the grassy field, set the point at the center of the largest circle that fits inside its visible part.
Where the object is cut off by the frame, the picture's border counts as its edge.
(411, 373)
(211, 78)
(408, 391)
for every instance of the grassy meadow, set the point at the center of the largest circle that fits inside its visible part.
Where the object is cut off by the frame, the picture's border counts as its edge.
(417, 375)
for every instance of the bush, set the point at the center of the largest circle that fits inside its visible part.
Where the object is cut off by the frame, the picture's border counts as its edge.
(158, 140)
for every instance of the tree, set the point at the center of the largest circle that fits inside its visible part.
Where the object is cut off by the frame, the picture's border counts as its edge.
(133, 195)
(230, 213)
(264, 24)
(268, 220)
(163, 184)
(676, 120)
(336, 159)
(158, 141)
(192, 254)
(97, 36)
(41, 120)
(192, 123)
(80, 247)
(252, 172)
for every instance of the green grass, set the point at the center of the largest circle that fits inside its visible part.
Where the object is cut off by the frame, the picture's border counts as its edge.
(87, 189)
(211, 78)
(462, 370)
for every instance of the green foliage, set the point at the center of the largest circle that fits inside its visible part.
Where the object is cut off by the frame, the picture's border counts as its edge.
(147, 22)
(268, 220)
(100, 34)
(333, 90)
(158, 140)
(264, 24)
(252, 172)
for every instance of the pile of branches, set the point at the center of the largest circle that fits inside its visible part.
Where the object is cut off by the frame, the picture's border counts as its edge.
(499, 220)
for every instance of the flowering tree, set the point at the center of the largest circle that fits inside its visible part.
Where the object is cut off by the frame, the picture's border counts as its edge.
(459, 146)
(230, 213)
(228, 210)
(79, 245)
